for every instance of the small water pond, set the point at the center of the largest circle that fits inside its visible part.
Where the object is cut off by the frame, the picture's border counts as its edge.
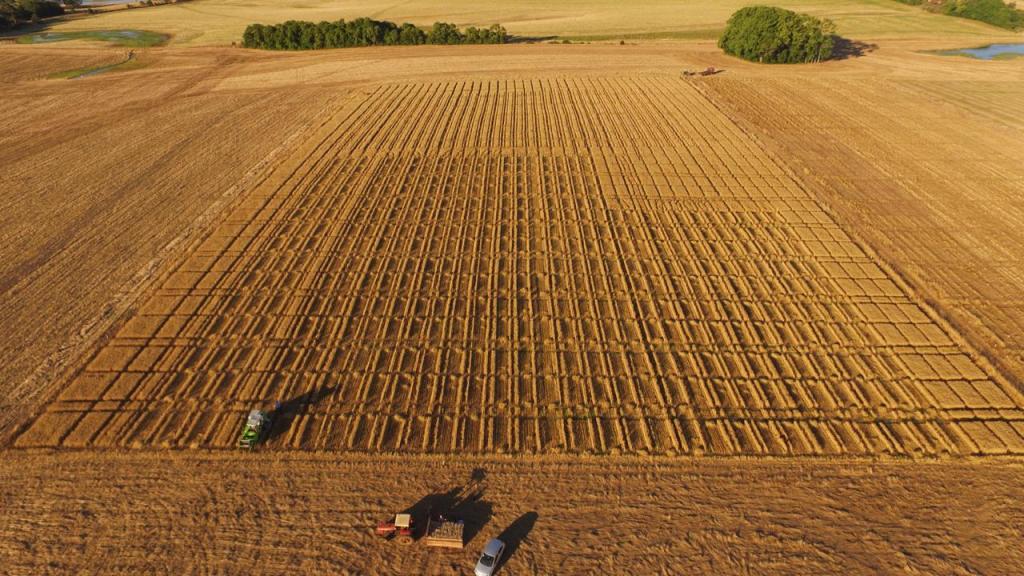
(990, 52)
(129, 38)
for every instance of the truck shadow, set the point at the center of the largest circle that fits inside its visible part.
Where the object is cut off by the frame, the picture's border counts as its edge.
(514, 535)
(283, 414)
(464, 503)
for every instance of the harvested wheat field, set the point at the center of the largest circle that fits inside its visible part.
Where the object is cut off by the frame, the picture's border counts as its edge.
(94, 197)
(587, 265)
(763, 322)
(929, 185)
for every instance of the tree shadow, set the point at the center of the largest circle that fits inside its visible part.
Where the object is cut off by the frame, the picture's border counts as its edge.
(464, 503)
(528, 39)
(24, 28)
(283, 414)
(514, 535)
(846, 48)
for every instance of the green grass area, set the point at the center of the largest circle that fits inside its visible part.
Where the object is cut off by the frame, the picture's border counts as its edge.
(126, 38)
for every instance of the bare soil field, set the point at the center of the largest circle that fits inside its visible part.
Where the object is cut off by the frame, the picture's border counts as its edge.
(278, 513)
(583, 265)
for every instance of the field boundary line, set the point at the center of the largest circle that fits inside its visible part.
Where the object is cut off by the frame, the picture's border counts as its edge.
(285, 455)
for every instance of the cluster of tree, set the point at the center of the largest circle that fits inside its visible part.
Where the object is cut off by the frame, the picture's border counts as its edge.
(16, 12)
(297, 35)
(994, 12)
(774, 35)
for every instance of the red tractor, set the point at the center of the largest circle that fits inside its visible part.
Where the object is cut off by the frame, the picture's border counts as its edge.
(401, 527)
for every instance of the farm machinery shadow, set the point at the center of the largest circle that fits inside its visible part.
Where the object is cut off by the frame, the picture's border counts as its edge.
(464, 503)
(284, 413)
(515, 533)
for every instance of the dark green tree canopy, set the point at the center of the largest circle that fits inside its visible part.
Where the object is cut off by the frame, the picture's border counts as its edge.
(995, 12)
(774, 35)
(295, 35)
(15, 12)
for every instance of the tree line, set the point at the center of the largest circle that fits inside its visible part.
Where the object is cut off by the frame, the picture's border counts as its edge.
(15, 12)
(774, 35)
(994, 12)
(299, 35)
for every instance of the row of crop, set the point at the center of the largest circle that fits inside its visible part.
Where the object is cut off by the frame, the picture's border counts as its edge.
(299, 35)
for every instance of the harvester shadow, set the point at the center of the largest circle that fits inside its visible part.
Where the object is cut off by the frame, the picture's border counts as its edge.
(464, 503)
(284, 413)
(845, 48)
(514, 535)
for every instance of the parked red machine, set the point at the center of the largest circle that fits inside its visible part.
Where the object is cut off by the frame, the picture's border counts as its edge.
(402, 527)
(439, 531)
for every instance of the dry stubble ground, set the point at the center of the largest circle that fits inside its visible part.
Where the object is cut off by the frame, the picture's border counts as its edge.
(98, 178)
(604, 265)
(147, 513)
(736, 516)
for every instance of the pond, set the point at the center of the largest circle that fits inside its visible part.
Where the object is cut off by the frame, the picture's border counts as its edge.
(129, 38)
(990, 52)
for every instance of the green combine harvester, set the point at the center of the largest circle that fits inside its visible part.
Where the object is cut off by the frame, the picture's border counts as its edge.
(256, 428)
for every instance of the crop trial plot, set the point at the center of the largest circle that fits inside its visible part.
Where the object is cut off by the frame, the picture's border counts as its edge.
(580, 265)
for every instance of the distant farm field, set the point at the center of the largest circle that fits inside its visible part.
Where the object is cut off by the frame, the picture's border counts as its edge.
(220, 22)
